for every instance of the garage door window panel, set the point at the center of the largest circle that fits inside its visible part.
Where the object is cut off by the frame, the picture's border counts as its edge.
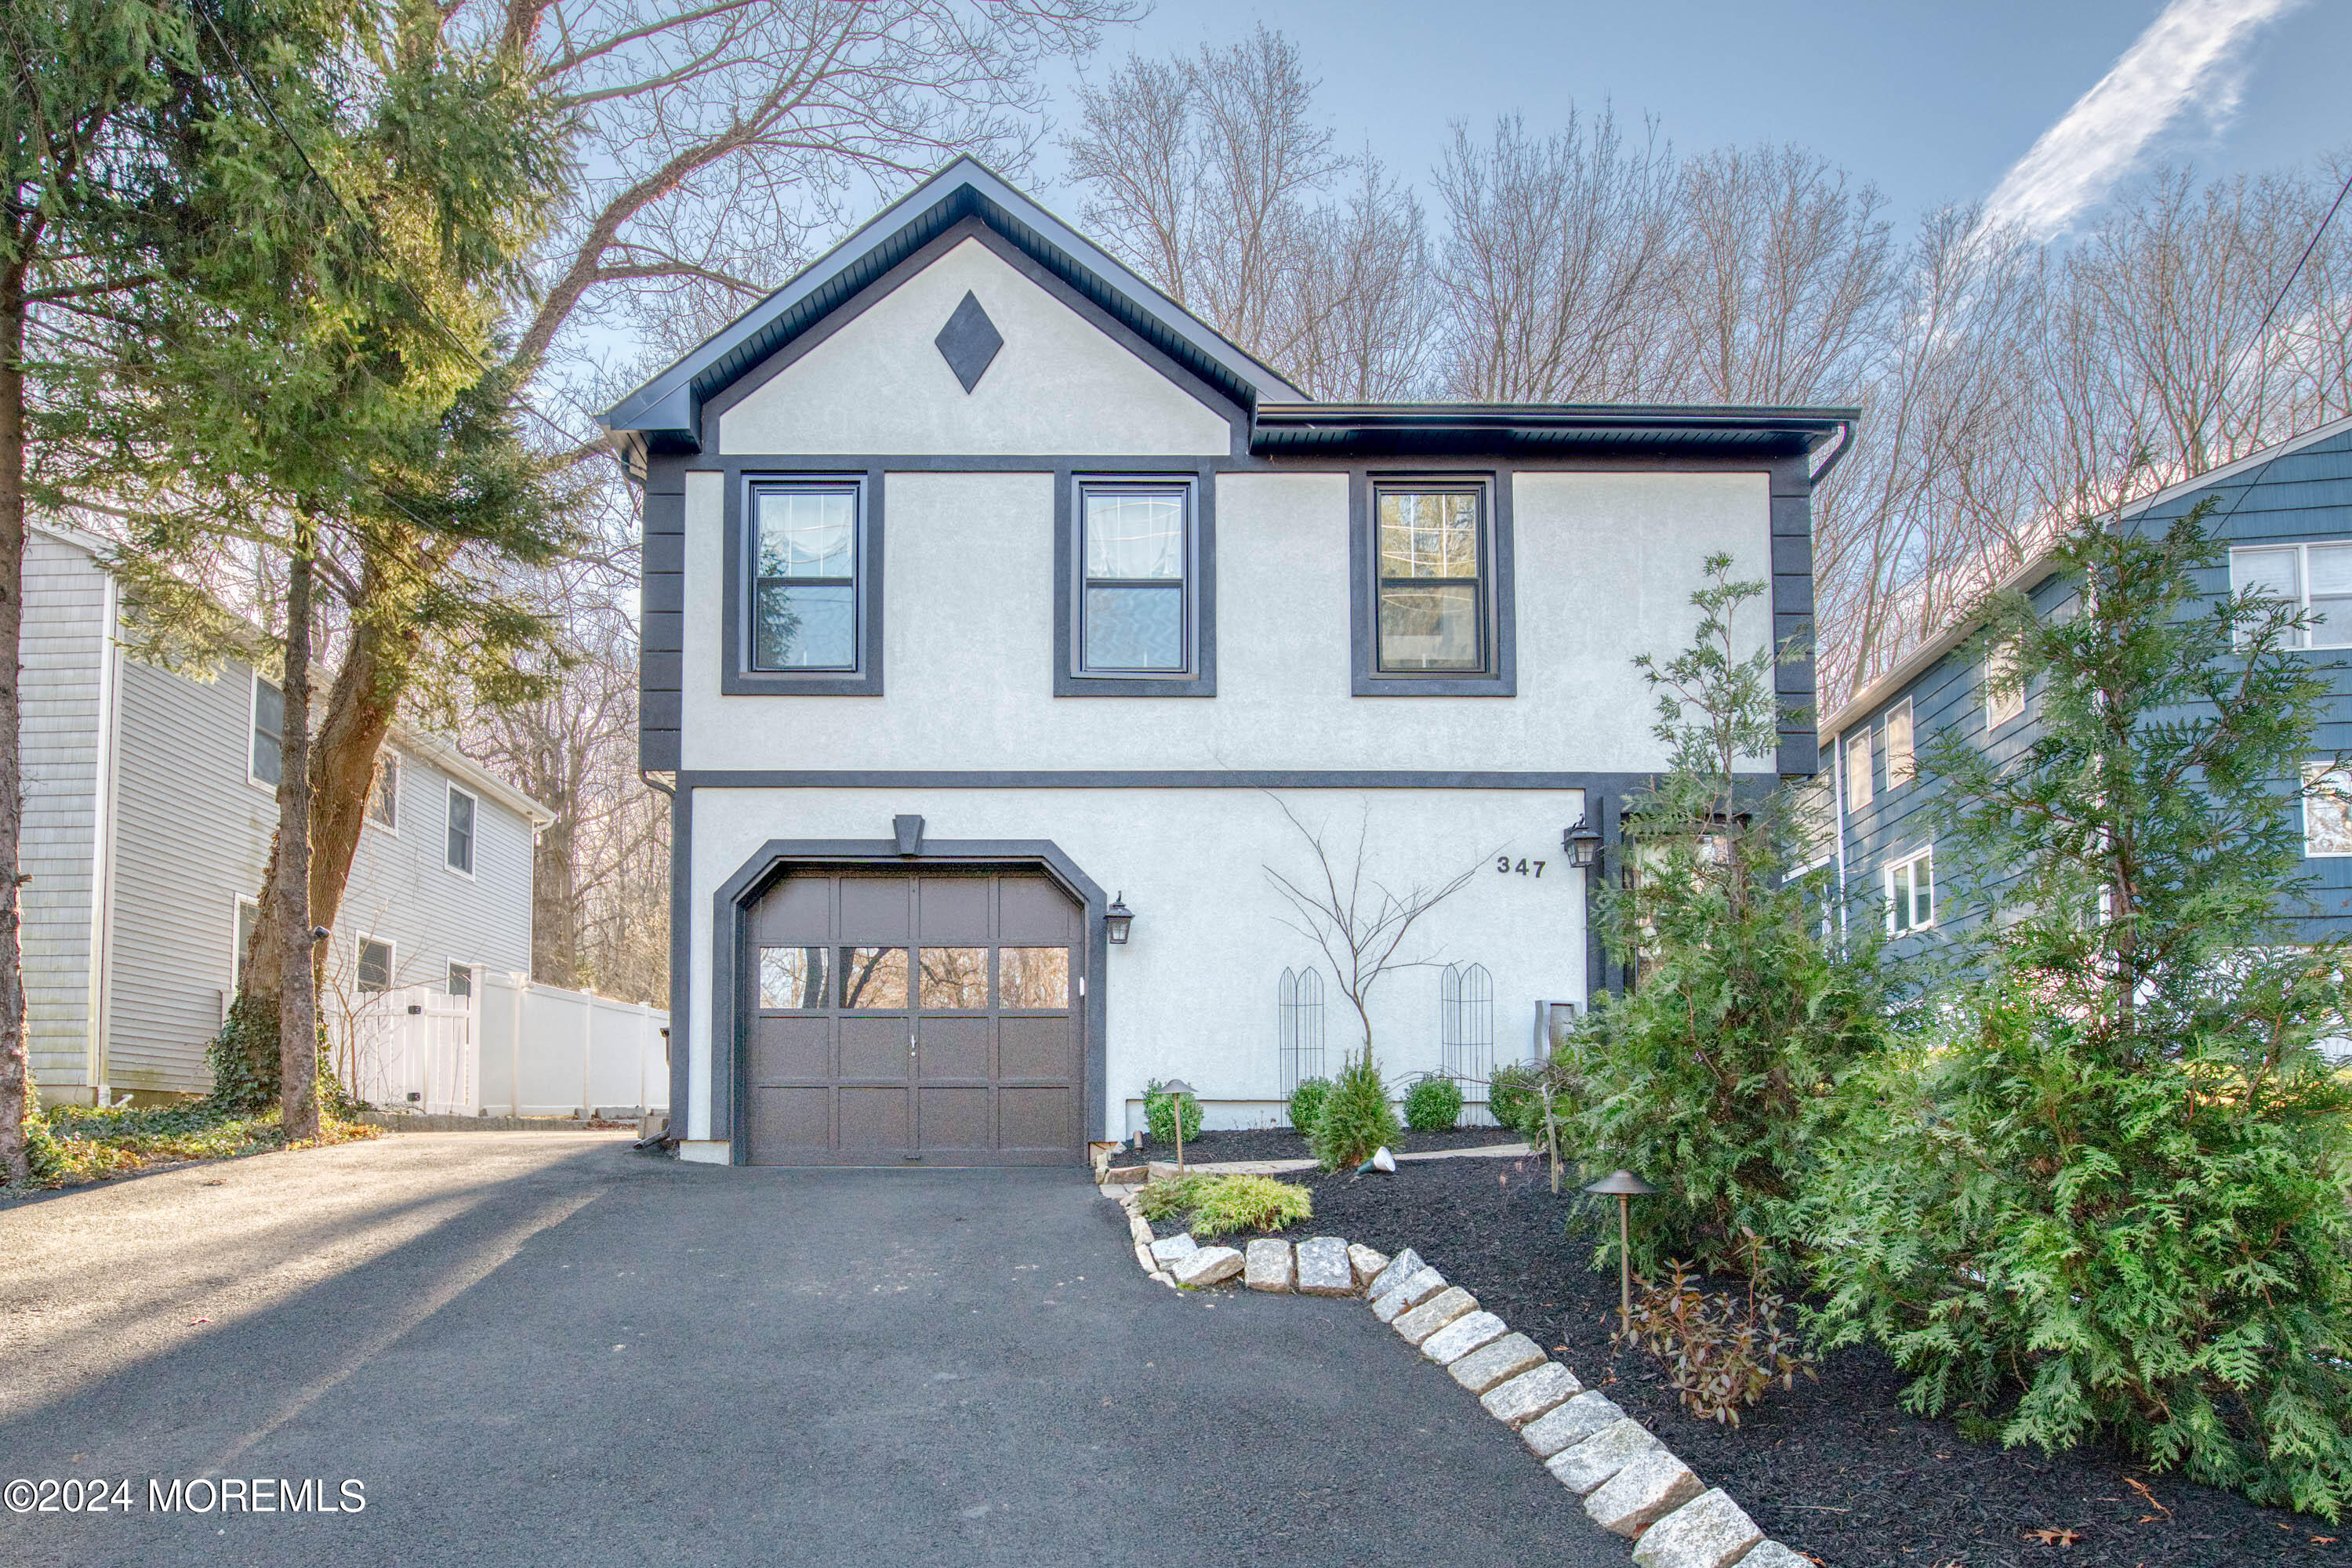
(1029, 978)
(792, 979)
(954, 979)
(872, 978)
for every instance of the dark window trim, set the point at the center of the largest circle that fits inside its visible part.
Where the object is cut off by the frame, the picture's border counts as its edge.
(1499, 629)
(736, 676)
(1200, 678)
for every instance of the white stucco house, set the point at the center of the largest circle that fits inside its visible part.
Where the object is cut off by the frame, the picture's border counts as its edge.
(150, 805)
(987, 592)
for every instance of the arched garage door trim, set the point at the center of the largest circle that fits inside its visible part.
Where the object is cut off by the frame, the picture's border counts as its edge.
(780, 856)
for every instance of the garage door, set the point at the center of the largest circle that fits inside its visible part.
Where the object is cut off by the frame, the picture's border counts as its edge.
(899, 1018)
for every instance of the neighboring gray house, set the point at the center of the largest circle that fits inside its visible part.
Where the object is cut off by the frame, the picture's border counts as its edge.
(149, 808)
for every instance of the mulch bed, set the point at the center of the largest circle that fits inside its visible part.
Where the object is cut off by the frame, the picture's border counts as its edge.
(1834, 1467)
(1282, 1143)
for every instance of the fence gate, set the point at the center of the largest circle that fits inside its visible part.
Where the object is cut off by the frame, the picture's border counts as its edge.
(413, 1047)
(1465, 1003)
(1299, 1028)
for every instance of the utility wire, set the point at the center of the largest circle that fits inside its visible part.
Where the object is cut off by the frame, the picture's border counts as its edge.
(2292, 273)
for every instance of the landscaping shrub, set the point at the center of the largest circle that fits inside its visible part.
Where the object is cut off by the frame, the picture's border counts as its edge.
(2105, 1198)
(1720, 1357)
(1160, 1114)
(1357, 1115)
(1228, 1203)
(1166, 1200)
(72, 1144)
(1306, 1102)
(1512, 1097)
(1434, 1104)
(1713, 1078)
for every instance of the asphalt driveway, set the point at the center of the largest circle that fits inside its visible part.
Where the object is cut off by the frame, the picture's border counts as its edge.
(542, 1347)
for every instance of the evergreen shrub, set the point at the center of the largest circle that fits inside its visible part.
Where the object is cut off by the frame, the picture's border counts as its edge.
(1434, 1104)
(1357, 1115)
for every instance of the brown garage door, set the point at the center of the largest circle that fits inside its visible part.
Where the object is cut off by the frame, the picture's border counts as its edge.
(933, 1018)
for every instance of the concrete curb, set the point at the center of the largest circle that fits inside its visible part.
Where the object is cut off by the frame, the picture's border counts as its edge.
(1630, 1482)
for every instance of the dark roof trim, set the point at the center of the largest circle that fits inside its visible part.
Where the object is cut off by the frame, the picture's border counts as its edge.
(666, 413)
(1304, 429)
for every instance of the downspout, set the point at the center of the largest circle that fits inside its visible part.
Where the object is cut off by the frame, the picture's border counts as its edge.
(1837, 455)
(1837, 782)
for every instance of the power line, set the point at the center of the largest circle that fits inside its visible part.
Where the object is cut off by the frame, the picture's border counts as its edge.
(2292, 273)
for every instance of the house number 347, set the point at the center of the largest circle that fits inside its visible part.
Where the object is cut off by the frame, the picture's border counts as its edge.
(1506, 866)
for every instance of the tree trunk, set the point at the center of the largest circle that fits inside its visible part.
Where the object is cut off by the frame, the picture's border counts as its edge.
(297, 1003)
(555, 903)
(15, 1075)
(359, 706)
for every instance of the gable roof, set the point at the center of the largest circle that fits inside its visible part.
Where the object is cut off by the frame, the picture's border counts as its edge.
(2244, 472)
(666, 413)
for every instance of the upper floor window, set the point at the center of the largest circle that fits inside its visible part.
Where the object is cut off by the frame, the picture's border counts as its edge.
(1911, 893)
(1436, 614)
(1131, 615)
(461, 979)
(460, 850)
(2004, 692)
(1857, 769)
(805, 578)
(1136, 595)
(383, 796)
(802, 614)
(1901, 765)
(2313, 577)
(266, 764)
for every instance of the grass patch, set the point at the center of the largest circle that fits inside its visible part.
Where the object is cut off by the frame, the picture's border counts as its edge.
(71, 1145)
(1218, 1205)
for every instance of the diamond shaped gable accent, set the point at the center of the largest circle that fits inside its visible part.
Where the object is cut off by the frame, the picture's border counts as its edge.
(969, 342)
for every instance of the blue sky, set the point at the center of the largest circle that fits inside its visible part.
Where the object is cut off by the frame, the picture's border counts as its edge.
(1934, 102)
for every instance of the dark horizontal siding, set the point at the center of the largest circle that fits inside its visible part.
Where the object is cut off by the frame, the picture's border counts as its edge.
(661, 627)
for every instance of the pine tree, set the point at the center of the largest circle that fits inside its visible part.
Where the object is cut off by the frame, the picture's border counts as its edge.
(2108, 1198)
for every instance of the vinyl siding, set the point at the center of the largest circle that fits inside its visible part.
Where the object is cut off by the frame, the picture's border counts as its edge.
(66, 654)
(195, 834)
(2300, 495)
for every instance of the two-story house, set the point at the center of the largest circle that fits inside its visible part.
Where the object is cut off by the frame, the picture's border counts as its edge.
(999, 619)
(149, 807)
(2287, 515)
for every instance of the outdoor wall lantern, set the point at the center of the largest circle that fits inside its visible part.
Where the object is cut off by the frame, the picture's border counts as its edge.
(1583, 842)
(1623, 1185)
(1117, 919)
(1176, 1089)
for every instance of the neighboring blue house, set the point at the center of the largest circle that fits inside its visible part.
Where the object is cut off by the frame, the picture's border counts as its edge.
(2286, 512)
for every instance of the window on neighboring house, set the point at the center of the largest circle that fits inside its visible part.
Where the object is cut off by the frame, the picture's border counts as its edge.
(1817, 826)
(267, 764)
(461, 831)
(375, 966)
(461, 979)
(1431, 554)
(2314, 577)
(804, 571)
(2004, 693)
(1901, 767)
(249, 916)
(1911, 893)
(383, 797)
(1857, 770)
(2326, 810)
(1135, 555)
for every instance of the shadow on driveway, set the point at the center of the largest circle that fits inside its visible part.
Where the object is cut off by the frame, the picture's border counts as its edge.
(617, 1359)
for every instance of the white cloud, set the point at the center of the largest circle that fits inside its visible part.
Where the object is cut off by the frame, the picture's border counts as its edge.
(2189, 58)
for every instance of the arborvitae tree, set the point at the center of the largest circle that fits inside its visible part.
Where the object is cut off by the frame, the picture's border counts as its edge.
(2109, 1198)
(1714, 1076)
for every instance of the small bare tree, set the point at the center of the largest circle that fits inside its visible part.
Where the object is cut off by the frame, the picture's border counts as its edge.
(1360, 923)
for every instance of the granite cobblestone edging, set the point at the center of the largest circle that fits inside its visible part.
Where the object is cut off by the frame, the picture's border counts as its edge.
(1631, 1484)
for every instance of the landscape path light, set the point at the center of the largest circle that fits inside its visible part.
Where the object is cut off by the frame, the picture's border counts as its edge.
(1626, 1186)
(1176, 1088)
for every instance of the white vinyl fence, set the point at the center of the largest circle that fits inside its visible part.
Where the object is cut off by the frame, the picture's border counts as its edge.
(512, 1048)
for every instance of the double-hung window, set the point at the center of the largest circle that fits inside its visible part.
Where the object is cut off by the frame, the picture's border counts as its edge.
(1132, 613)
(1902, 763)
(1136, 599)
(374, 965)
(1857, 769)
(1911, 893)
(2004, 691)
(460, 849)
(384, 794)
(1433, 589)
(2316, 578)
(265, 762)
(804, 577)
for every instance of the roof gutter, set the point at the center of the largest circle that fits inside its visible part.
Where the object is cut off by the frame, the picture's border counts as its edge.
(1837, 455)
